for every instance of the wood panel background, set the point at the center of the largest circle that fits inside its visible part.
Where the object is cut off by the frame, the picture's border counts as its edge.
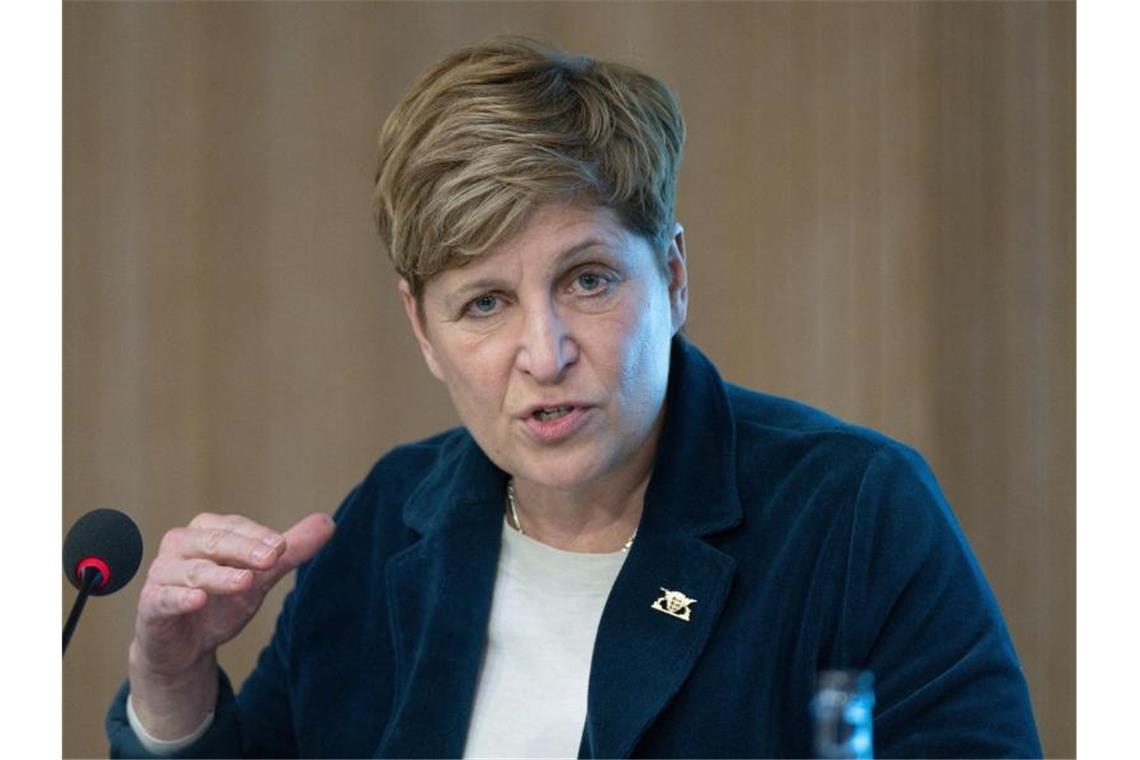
(879, 200)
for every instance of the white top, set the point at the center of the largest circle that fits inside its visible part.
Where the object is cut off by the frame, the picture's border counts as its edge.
(531, 697)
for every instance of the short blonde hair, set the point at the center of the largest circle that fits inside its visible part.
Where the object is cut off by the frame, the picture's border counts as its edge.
(494, 130)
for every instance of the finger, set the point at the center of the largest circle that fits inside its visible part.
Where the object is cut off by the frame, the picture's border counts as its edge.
(221, 546)
(239, 524)
(302, 542)
(201, 574)
(159, 602)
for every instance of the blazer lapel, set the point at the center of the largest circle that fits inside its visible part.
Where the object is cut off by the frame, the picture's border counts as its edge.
(439, 600)
(439, 592)
(642, 655)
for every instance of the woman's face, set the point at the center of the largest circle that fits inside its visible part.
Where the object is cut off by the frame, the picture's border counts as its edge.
(555, 345)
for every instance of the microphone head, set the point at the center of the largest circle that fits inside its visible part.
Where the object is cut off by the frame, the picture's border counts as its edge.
(105, 539)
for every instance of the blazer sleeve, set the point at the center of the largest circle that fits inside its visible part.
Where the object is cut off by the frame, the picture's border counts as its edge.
(919, 614)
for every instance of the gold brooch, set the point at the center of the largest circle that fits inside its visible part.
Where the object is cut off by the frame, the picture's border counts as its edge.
(674, 603)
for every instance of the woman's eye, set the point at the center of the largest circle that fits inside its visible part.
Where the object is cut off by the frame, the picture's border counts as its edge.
(484, 305)
(589, 283)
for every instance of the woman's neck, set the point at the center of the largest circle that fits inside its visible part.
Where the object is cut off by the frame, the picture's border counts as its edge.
(599, 516)
(579, 523)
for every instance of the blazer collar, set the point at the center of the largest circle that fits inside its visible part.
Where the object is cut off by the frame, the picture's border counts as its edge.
(462, 478)
(693, 487)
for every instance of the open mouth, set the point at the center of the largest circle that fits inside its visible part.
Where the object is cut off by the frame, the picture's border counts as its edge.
(552, 424)
(553, 413)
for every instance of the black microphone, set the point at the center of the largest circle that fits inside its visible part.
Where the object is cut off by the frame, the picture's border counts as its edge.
(101, 554)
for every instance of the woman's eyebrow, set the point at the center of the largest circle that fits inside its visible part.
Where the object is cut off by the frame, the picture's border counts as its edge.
(576, 251)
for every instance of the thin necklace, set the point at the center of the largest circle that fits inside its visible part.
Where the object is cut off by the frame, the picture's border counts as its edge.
(513, 516)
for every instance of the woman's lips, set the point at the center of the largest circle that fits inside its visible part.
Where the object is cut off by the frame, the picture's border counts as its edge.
(558, 428)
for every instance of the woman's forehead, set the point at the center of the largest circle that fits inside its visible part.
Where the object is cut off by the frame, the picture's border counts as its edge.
(557, 229)
(551, 238)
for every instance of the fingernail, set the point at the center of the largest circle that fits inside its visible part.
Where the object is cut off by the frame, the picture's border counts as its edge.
(261, 552)
(273, 541)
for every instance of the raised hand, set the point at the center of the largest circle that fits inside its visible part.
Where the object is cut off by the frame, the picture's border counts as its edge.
(207, 582)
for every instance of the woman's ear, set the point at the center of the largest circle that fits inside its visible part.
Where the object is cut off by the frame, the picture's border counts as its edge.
(678, 278)
(412, 309)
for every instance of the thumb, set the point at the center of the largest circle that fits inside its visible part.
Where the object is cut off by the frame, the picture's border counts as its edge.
(302, 542)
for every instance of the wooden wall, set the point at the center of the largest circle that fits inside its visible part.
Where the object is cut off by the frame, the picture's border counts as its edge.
(879, 202)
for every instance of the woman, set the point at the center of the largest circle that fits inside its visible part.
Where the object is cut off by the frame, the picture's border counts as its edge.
(619, 553)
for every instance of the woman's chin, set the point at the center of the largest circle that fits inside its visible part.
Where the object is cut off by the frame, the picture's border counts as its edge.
(559, 475)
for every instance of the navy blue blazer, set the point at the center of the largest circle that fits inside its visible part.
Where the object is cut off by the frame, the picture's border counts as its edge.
(809, 544)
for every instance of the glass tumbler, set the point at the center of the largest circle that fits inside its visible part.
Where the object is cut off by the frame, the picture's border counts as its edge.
(841, 714)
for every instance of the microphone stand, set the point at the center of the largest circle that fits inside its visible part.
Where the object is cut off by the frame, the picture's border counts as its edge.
(91, 576)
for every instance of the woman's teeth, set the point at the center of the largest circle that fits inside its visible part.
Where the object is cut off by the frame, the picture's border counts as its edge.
(546, 415)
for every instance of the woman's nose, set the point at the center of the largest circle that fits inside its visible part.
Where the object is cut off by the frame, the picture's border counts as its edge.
(547, 349)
